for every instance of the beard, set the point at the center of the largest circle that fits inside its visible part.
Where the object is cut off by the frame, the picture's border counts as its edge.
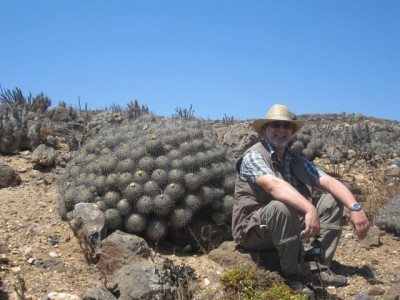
(279, 142)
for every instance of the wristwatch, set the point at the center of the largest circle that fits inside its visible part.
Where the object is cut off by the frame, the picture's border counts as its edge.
(355, 207)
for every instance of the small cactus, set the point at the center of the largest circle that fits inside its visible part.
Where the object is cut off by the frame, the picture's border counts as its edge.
(113, 219)
(156, 230)
(135, 223)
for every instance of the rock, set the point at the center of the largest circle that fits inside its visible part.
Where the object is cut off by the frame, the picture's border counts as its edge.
(351, 154)
(59, 296)
(134, 274)
(397, 163)
(138, 280)
(360, 163)
(52, 142)
(238, 137)
(373, 238)
(120, 249)
(392, 170)
(88, 223)
(44, 156)
(349, 235)
(52, 264)
(229, 256)
(8, 176)
(376, 291)
(98, 293)
(146, 279)
(361, 296)
(393, 293)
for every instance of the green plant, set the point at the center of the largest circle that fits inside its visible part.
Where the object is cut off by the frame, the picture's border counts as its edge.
(255, 283)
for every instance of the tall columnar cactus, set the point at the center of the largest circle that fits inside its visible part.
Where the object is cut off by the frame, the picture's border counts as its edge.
(388, 217)
(16, 131)
(20, 120)
(152, 177)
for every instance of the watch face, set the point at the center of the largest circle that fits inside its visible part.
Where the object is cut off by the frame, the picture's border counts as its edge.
(355, 207)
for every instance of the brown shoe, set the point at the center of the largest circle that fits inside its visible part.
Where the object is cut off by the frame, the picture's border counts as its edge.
(329, 278)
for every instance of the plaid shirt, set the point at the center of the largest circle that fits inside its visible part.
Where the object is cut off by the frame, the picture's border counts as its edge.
(255, 165)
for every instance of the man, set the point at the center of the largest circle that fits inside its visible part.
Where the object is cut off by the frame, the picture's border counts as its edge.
(274, 208)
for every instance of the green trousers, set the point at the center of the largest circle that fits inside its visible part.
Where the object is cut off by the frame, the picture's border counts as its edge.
(280, 229)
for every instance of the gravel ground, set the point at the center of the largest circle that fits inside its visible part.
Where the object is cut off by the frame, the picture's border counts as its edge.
(39, 253)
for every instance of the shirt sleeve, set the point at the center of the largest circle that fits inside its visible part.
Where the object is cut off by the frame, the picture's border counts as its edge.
(253, 166)
(312, 171)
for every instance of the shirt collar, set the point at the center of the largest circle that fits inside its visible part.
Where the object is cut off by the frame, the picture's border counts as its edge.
(270, 148)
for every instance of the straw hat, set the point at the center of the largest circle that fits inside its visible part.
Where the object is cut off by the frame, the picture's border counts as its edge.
(277, 112)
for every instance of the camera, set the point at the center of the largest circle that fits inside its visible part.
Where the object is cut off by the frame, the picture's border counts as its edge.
(315, 253)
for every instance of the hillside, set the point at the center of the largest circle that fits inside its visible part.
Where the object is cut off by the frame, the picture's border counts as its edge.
(39, 253)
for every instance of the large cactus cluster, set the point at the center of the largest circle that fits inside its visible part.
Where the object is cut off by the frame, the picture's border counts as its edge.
(152, 177)
(304, 144)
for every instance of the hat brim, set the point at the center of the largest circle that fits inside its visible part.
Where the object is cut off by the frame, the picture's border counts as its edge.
(259, 123)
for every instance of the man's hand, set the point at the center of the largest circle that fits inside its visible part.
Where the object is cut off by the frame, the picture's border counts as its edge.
(360, 223)
(312, 226)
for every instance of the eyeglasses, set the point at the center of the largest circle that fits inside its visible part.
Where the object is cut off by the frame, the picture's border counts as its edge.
(284, 125)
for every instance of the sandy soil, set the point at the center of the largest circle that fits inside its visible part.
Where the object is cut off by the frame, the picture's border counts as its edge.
(39, 253)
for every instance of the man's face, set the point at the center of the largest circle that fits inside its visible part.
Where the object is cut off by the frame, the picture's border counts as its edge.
(279, 134)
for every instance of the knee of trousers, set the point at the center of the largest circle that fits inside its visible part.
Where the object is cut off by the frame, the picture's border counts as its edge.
(280, 215)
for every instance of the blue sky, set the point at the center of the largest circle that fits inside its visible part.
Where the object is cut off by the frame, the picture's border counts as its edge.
(225, 58)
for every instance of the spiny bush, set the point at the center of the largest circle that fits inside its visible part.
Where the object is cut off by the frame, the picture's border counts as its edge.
(256, 283)
(388, 217)
(104, 118)
(369, 139)
(358, 138)
(184, 113)
(170, 172)
(20, 120)
(134, 110)
(15, 98)
(304, 144)
(63, 113)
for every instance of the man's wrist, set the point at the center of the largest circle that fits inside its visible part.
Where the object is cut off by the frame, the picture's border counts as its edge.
(355, 207)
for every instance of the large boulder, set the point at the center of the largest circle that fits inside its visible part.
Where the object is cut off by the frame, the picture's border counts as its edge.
(229, 255)
(8, 176)
(238, 137)
(44, 156)
(134, 271)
